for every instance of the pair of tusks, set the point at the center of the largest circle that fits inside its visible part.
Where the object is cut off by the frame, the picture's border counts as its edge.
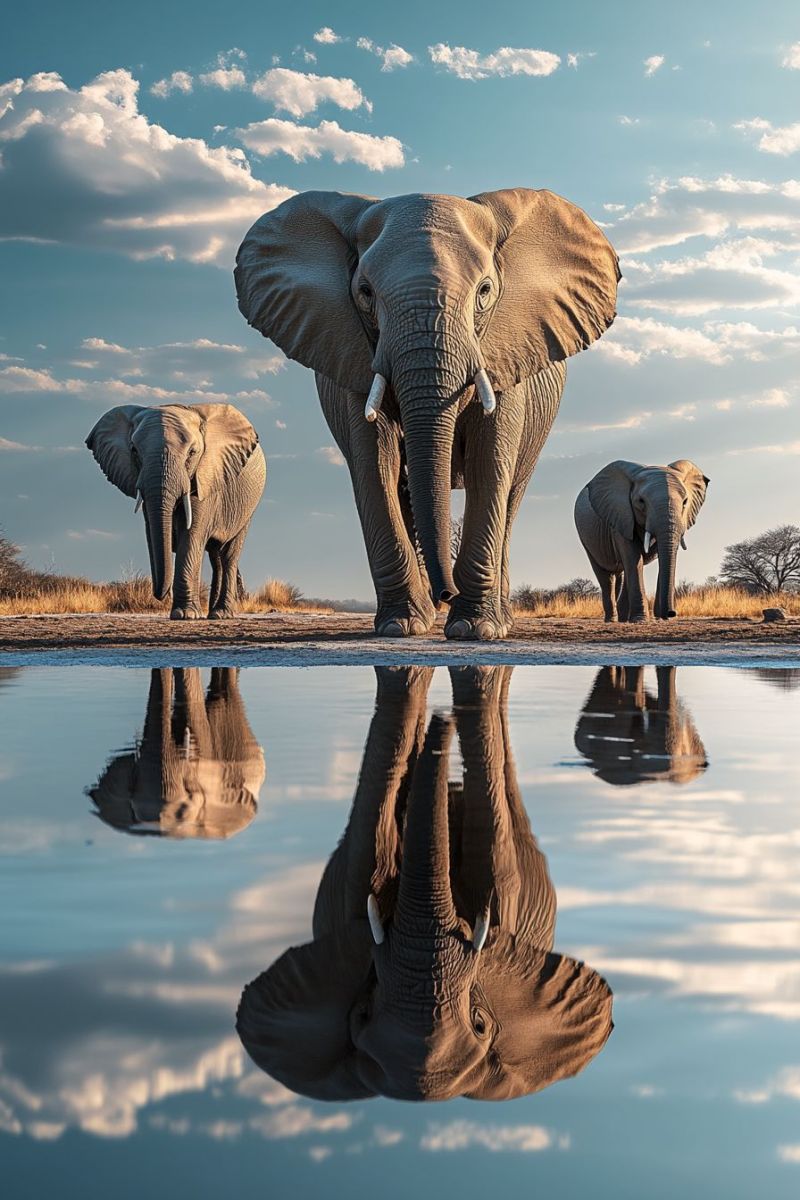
(187, 507)
(479, 934)
(482, 386)
(648, 539)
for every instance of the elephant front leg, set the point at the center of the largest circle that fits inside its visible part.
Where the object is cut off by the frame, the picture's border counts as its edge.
(373, 455)
(634, 596)
(494, 487)
(188, 562)
(226, 602)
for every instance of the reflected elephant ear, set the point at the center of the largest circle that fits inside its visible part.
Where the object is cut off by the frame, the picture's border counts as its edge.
(293, 1019)
(553, 1015)
(293, 274)
(696, 485)
(610, 495)
(229, 440)
(110, 443)
(558, 283)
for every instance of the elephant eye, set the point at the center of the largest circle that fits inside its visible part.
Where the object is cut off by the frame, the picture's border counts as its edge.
(483, 296)
(365, 295)
(480, 1023)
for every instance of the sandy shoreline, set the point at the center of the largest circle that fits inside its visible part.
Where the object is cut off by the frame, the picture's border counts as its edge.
(307, 639)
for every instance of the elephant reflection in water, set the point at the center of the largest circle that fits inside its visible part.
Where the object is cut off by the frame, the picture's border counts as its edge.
(431, 972)
(629, 736)
(197, 770)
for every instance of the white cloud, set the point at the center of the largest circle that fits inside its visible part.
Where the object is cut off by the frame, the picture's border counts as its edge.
(464, 1135)
(574, 60)
(178, 81)
(634, 339)
(623, 120)
(789, 1154)
(393, 56)
(653, 64)
(782, 139)
(785, 1084)
(124, 184)
(326, 36)
(304, 141)
(772, 398)
(82, 535)
(299, 93)
(226, 78)
(791, 58)
(332, 455)
(508, 60)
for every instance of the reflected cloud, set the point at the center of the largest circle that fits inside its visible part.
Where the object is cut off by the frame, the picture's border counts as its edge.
(628, 735)
(449, 986)
(196, 771)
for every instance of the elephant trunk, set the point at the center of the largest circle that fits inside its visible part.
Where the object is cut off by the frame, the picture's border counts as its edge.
(665, 589)
(425, 916)
(162, 487)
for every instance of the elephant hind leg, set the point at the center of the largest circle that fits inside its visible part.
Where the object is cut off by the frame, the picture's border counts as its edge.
(216, 576)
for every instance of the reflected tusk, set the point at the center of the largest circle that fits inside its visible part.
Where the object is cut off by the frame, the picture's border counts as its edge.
(375, 398)
(187, 743)
(485, 391)
(187, 509)
(374, 918)
(481, 931)
(683, 542)
(647, 540)
(139, 500)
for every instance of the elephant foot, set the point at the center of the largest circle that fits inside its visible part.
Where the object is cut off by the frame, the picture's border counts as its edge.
(406, 619)
(474, 624)
(221, 614)
(189, 613)
(640, 619)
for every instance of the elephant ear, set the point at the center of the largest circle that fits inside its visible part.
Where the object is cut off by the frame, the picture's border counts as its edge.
(696, 484)
(110, 443)
(293, 1019)
(558, 283)
(293, 274)
(610, 495)
(229, 440)
(553, 1017)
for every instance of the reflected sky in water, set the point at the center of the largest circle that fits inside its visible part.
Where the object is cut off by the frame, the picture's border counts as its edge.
(664, 808)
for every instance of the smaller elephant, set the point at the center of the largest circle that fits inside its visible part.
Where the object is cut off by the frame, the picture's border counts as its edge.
(627, 516)
(431, 973)
(198, 472)
(630, 736)
(197, 769)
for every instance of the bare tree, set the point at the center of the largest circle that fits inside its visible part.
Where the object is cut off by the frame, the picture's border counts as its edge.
(14, 572)
(764, 564)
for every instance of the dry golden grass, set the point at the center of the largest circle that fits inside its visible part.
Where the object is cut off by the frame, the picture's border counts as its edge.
(57, 594)
(720, 602)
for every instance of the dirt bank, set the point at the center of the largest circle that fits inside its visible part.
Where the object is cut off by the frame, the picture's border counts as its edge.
(284, 636)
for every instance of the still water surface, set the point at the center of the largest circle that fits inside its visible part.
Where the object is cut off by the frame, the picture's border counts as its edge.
(624, 842)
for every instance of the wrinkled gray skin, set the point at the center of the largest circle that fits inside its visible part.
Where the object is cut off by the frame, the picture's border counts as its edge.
(425, 291)
(197, 770)
(427, 1014)
(628, 735)
(612, 515)
(208, 452)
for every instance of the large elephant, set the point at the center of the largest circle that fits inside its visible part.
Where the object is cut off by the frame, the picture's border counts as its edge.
(431, 973)
(197, 770)
(628, 515)
(630, 736)
(426, 303)
(198, 471)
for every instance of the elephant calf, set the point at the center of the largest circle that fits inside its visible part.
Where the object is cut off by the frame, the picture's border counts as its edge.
(198, 472)
(627, 516)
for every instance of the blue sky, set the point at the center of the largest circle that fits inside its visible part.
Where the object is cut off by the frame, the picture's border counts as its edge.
(135, 155)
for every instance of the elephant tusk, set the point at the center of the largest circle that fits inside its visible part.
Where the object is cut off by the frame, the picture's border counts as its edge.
(187, 509)
(485, 391)
(648, 537)
(481, 931)
(683, 542)
(375, 398)
(139, 500)
(374, 918)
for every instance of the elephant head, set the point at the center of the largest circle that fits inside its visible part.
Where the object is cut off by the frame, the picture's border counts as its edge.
(167, 456)
(197, 770)
(631, 736)
(435, 297)
(431, 973)
(655, 506)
